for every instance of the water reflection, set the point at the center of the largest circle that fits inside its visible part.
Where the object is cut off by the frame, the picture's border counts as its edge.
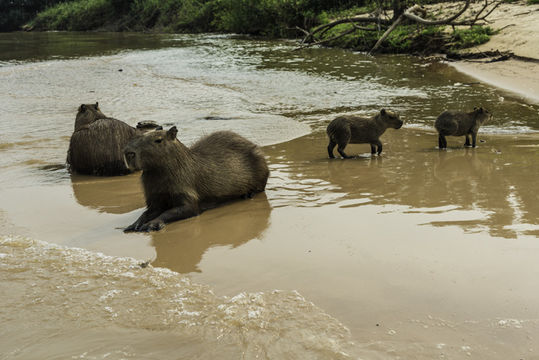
(497, 181)
(182, 244)
(114, 195)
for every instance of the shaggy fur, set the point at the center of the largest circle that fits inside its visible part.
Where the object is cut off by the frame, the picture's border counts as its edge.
(181, 182)
(351, 129)
(455, 123)
(97, 143)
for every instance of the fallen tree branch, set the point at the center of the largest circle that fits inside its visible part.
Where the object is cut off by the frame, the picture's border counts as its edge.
(410, 14)
(414, 13)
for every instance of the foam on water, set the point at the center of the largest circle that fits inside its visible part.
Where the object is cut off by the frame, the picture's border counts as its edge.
(54, 289)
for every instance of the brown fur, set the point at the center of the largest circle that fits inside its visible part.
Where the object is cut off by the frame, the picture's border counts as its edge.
(352, 129)
(181, 182)
(97, 143)
(455, 123)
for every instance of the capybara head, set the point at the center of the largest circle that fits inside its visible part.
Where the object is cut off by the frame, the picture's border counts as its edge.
(145, 151)
(148, 125)
(481, 114)
(87, 114)
(391, 118)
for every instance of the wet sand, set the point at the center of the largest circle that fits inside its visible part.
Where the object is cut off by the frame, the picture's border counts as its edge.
(516, 76)
(517, 25)
(421, 253)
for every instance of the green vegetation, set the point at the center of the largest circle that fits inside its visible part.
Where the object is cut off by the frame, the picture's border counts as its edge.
(270, 18)
(532, 2)
(13, 14)
(476, 35)
(274, 18)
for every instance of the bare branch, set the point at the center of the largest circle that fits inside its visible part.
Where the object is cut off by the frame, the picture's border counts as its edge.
(386, 34)
(410, 15)
(328, 40)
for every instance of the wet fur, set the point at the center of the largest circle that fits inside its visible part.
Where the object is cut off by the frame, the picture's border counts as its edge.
(455, 123)
(181, 182)
(97, 143)
(350, 129)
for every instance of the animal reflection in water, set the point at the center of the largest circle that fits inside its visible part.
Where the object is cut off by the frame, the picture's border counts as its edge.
(183, 244)
(114, 195)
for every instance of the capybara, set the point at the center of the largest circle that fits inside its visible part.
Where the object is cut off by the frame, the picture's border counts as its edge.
(350, 129)
(457, 123)
(181, 182)
(97, 143)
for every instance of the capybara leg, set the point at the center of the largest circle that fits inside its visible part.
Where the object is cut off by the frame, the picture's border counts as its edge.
(442, 142)
(331, 146)
(379, 144)
(373, 149)
(144, 218)
(474, 138)
(340, 149)
(177, 213)
(467, 142)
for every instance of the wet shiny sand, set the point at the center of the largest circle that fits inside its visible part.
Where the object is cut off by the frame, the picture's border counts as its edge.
(419, 252)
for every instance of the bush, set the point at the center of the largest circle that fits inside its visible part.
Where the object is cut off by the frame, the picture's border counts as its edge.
(476, 35)
(78, 15)
(14, 14)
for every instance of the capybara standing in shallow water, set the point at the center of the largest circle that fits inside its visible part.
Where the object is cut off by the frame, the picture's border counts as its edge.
(180, 182)
(350, 129)
(97, 143)
(457, 123)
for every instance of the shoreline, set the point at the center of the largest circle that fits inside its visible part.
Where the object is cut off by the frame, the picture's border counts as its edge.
(517, 25)
(518, 77)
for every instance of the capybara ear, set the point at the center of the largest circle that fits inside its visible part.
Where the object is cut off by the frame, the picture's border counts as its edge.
(96, 105)
(82, 108)
(481, 110)
(383, 111)
(171, 133)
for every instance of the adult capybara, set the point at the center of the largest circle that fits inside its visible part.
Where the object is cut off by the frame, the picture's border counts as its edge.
(456, 123)
(180, 182)
(350, 129)
(97, 143)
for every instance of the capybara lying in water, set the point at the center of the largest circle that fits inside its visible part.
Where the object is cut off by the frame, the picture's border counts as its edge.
(97, 143)
(180, 182)
(350, 129)
(456, 123)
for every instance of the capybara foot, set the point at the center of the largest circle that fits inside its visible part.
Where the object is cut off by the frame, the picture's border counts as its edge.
(131, 228)
(154, 225)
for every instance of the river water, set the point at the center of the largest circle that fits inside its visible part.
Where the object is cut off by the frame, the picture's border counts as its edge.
(416, 254)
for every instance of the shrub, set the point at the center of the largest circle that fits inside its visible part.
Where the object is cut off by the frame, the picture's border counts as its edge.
(476, 35)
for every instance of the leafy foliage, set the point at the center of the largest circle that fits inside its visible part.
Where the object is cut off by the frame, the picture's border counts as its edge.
(476, 35)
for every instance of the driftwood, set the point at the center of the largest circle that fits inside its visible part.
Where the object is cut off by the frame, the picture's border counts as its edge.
(415, 14)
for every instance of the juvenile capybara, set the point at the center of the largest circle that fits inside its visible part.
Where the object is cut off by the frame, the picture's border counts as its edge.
(350, 129)
(97, 143)
(181, 182)
(457, 123)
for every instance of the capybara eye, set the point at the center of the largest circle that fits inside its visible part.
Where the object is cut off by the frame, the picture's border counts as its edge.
(158, 141)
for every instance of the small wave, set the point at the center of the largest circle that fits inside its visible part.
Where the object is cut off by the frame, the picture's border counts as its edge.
(71, 285)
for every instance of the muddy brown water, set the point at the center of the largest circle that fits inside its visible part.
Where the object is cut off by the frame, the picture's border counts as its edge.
(416, 254)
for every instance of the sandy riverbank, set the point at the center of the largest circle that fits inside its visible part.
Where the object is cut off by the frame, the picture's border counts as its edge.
(517, 25)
